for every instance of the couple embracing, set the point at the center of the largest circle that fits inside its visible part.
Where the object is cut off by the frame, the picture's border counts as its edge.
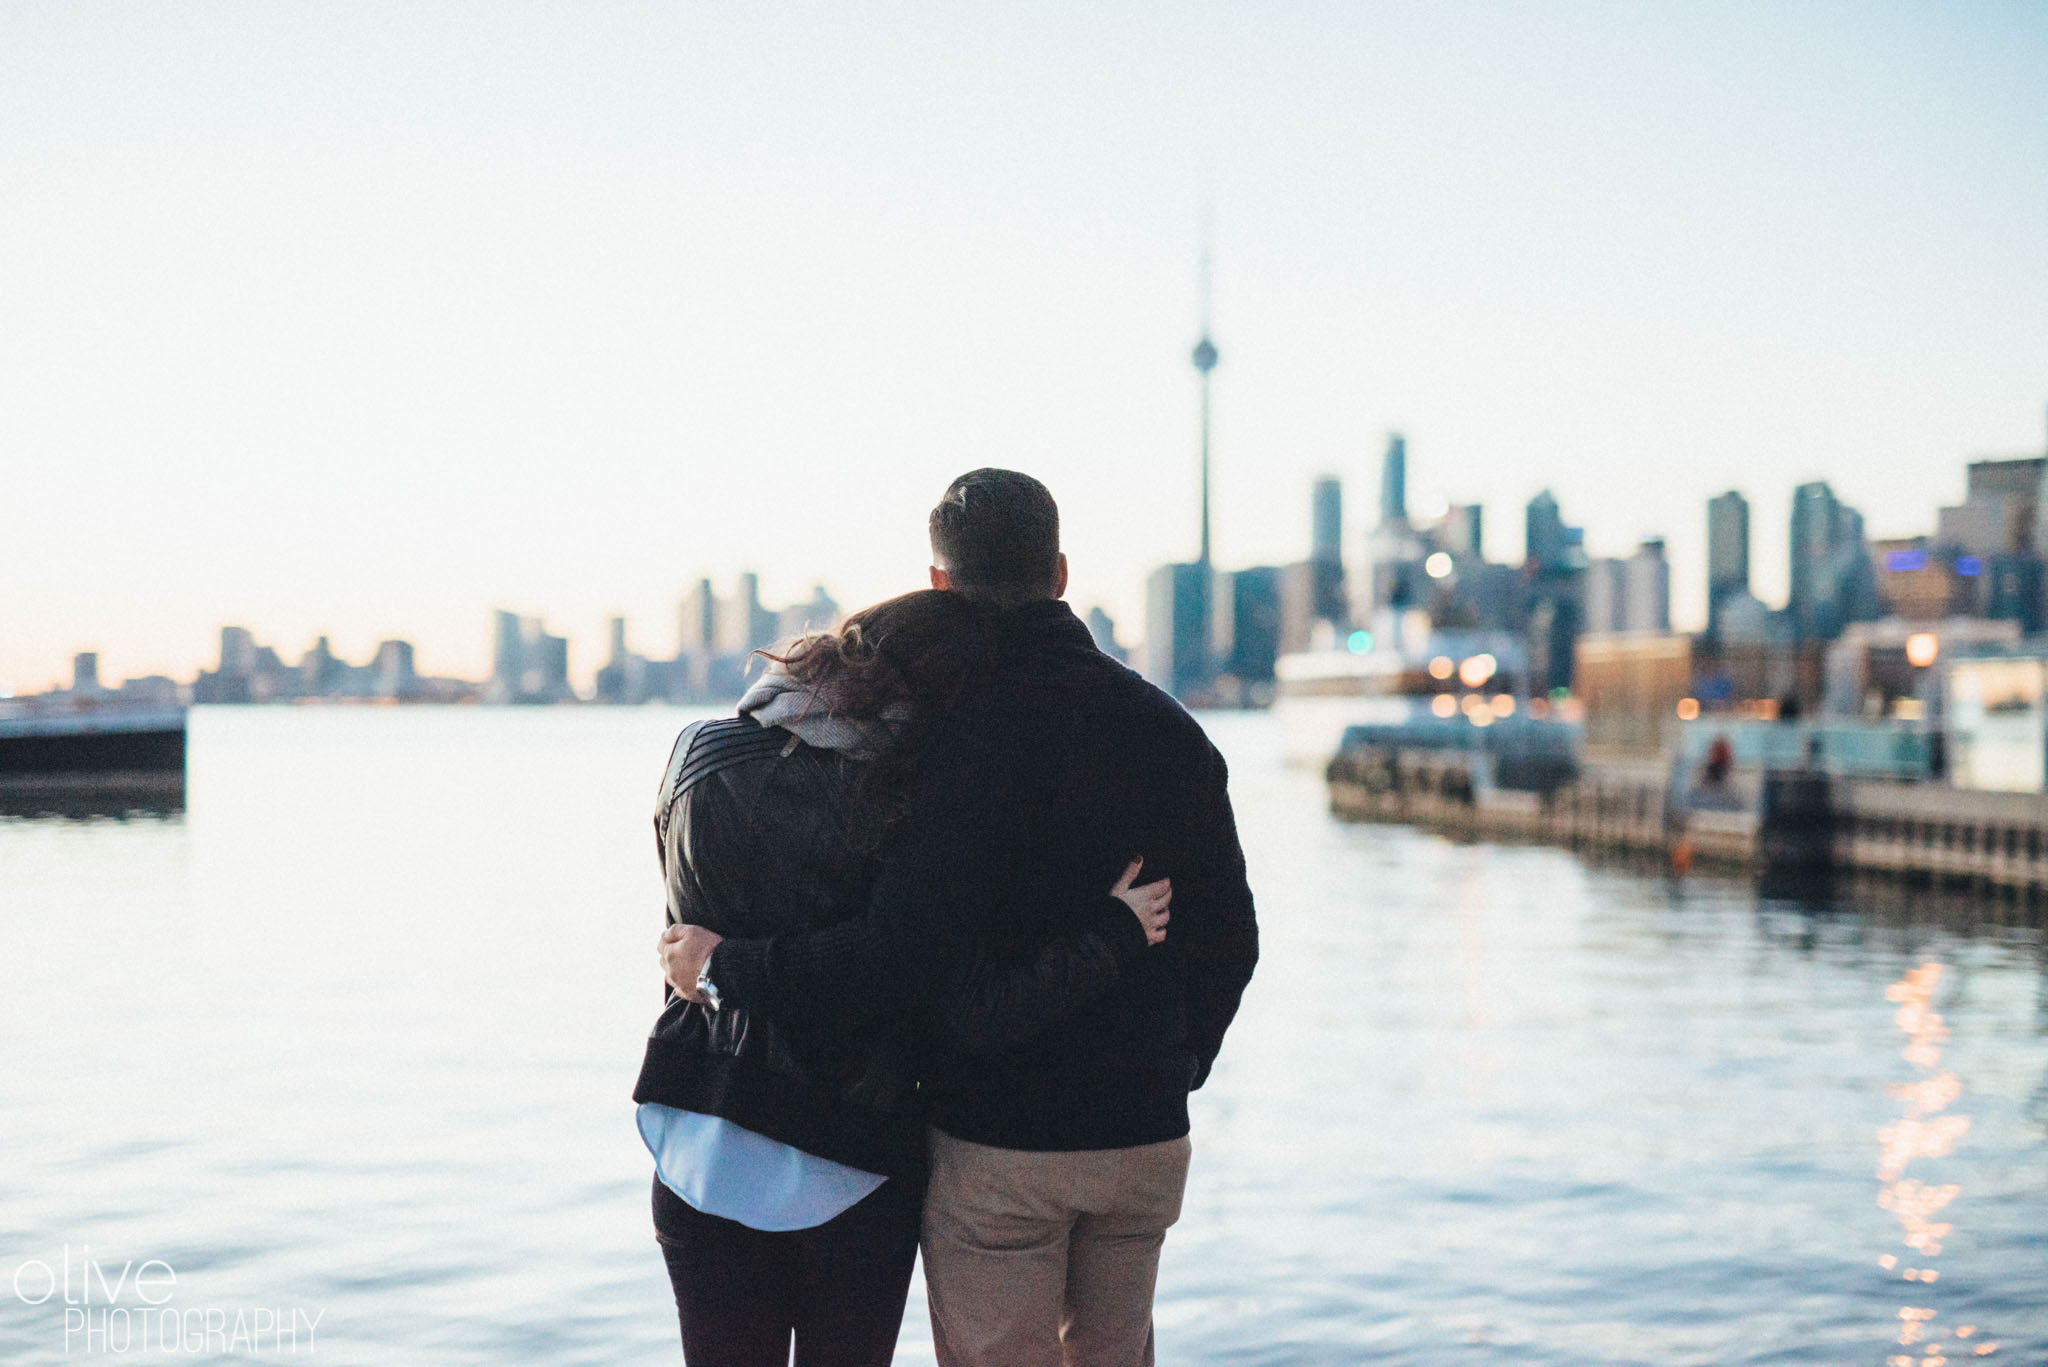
(917, 990)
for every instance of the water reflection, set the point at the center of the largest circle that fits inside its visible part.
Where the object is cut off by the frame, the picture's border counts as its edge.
(1485, 1104)
(1925, 1130)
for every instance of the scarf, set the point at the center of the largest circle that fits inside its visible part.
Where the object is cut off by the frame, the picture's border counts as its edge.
(775, 699)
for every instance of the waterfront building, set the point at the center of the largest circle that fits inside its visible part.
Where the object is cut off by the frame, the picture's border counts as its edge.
(1632, 685)
(1885, 669)
(528, 665)
(393, 671)
(1997, 721)
(623, 677)
(85, 674)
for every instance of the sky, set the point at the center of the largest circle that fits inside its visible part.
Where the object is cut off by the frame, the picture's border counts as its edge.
(365, 319)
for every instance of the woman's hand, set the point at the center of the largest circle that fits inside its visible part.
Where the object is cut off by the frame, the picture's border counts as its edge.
(1148, 903)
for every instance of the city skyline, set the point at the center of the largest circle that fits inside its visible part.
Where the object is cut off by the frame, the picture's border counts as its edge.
(1978, 558)
(357, 323)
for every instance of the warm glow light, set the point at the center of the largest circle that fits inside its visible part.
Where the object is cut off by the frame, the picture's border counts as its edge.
(1438, 565)
(1921, 1132)
(1688, 709)
(1481, 716)
(1444, 705)
(1441, 667)
(1503, 705)
(1477, 670)
(1472, 703)
(1921, 649)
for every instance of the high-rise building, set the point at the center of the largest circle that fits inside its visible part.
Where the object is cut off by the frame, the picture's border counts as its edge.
(1606, 595)
(1177, 628)
(393, 671)
(1326, 548)
(508, 656)
(1463, 531)
(743, 624)
(819, 613)
(1254, 625)
(1394, 480)
(1833, 580)
(697, 621)
(321, 673)
(85, 673)
(1544, 540)
(527, 664)
(237, 652)
(1103, 629)
(1646, 580)
(1326, 518)
(1727, 553)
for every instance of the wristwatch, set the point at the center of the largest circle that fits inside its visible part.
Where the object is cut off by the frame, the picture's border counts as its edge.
(706, 989)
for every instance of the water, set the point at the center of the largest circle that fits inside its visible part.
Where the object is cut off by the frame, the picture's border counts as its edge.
(350, 1044)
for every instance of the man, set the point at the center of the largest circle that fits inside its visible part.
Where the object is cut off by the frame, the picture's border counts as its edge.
(1058, 1163)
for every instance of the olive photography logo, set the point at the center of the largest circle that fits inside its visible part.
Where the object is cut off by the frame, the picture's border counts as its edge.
(95, 1307)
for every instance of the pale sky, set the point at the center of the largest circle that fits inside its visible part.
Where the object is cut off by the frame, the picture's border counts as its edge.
(364, 319)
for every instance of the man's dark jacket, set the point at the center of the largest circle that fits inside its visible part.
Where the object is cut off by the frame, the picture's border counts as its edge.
(1033, 793)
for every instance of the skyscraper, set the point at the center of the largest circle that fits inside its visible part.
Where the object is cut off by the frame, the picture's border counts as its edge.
(1463, 531)
(697, 621)
(1606, 595)
(1326, 548)
(1833, 581)
(1544, 541)
(1394, 480)
(1646, 589)
(1727, 553)
(1177, 627)
(1326, 516)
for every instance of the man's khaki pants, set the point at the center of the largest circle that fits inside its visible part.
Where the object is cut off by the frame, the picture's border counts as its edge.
(1047, 1259)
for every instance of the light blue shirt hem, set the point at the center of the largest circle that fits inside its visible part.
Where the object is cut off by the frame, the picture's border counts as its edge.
(732, 1172)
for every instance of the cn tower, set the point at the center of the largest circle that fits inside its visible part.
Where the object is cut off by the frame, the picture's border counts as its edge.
(1205, 361)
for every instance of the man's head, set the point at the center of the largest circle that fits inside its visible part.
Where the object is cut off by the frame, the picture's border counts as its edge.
(996, 539)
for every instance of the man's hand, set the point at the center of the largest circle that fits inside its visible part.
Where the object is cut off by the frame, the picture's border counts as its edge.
(683, 950)
(1149, 903)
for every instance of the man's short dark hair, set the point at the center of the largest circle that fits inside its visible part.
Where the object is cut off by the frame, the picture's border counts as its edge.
(996, 534)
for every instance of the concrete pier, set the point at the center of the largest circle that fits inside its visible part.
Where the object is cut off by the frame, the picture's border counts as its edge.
(1796, 821)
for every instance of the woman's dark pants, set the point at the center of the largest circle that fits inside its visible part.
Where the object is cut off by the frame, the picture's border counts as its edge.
(839, 1288)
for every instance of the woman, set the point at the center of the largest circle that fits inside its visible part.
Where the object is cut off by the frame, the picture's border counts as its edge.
(789, 1164)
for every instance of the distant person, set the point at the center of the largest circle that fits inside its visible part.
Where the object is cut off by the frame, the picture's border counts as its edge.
(791, 1159)
(1058, 1163)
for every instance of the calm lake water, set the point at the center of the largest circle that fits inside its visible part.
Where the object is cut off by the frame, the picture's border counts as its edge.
(348, 1045)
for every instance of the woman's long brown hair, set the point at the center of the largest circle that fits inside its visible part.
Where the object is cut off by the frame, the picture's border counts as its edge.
(916, 653)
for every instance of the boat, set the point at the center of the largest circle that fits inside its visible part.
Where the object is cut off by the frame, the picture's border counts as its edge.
(1403, 673)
